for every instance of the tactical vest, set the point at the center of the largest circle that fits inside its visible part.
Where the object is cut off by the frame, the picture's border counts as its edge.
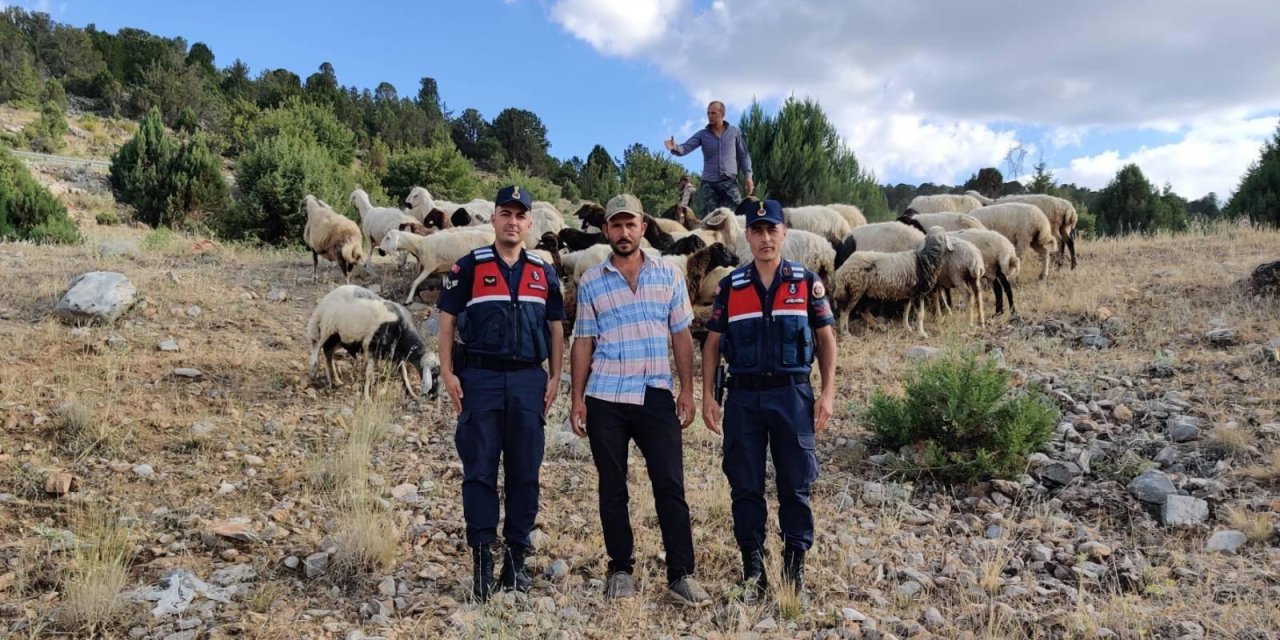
(769, 336)
(500, 324)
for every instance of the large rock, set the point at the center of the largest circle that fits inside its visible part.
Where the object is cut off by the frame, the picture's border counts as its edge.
(1184, 511)
(1152, 486)
(1183, 428)
(1226, 541)
(96, 296)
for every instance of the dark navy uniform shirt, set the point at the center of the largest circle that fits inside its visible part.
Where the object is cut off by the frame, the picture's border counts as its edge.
(819, 307)
(457, 284)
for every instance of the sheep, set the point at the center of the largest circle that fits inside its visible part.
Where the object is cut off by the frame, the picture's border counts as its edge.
(887, 237)
(668, 226)
(686, 245)
(851, 214)
(702, 266)
(684, 215)
(706, 292)
(1025, 225)
(949, 220)
(902, 275)
(576, 240)
(963, 267)
(1000, 260)
(375, 222)
(436, 252)
(824, 221)
(427, 210)
(478, 211)
(809, 249)
(944, 202)
(362, 322)
(333, 236)
(546, 219)
(590, 214)
(1062, 220)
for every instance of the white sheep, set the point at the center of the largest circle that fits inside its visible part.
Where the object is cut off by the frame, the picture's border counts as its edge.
(887, 237)
(438, 251)
(332, 235)
(890, 277)
(809, 249)
(821, 220)
(851, 214)
(546, 218)
(362, 322)
(429, 211)
(963, 267)
(375, 222)
(949, 220)
(944, 202)
(1025, 225)
(1062, 219)
(1000, 262)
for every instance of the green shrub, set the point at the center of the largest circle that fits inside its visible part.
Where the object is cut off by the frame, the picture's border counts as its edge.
(273, 177)
(963, 417)
(164, 179)
(107, 218)
(27, 210)
(46, 132)
(310, 122)
(539, 188)
(442, 169)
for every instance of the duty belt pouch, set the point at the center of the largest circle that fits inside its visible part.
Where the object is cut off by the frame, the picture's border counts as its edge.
(459, 357)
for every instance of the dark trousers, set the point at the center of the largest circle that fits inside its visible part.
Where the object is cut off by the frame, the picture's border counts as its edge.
(780, 420)
(724, 193)
(501, 421)
(654, 426)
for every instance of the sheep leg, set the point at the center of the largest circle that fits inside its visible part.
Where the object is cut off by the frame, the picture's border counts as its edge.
(315, 267)
(331, 370)
(870, 319)
(1008, 292)
(315, 358)
(1044, 255)
(920, 319)
(1071, 244)
(404, 377)
(974, 297)
(413, 288)
(368, 374)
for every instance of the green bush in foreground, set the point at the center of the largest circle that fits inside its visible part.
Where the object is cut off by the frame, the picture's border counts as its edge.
(966, 422)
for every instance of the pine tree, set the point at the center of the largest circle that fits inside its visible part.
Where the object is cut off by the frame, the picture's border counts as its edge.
(1258, 196)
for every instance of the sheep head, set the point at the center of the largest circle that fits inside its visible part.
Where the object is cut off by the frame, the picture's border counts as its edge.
(360, 198)
(549, 242)
(419, 196)
(591, 214)
(391, 242)
(721, 256)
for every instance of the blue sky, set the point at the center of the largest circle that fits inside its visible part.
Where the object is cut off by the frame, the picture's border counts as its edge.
(922, 91)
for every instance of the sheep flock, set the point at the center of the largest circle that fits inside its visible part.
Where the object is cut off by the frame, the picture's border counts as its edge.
(941, 243)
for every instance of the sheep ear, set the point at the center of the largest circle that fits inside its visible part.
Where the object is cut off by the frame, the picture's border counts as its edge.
(947, 239)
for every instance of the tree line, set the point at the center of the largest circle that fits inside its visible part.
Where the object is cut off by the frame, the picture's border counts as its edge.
(283, 136)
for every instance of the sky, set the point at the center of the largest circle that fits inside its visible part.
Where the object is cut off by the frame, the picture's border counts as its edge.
(920, 90)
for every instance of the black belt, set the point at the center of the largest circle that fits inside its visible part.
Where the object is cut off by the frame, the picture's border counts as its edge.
(496, 364)
(755, 382)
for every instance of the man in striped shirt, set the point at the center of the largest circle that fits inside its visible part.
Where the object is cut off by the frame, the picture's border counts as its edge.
(628, 305)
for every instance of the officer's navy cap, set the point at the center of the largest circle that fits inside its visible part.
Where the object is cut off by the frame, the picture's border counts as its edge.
(514, 193)
(760, 211)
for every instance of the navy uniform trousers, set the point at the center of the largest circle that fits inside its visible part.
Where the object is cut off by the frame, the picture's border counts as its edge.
(501, 419)
(780, 419)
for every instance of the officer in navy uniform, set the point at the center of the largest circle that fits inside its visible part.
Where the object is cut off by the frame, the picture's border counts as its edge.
(767, 318)
(507, 308)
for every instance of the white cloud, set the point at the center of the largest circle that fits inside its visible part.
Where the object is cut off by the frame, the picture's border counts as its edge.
(1211, 156)
(915, 87)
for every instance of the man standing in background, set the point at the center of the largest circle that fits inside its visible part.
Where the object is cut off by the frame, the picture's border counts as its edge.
(724, 153)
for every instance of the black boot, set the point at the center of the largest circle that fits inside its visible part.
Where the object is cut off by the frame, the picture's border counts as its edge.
(754, 581)
(514, 574)
(793, 568)
(482, 572)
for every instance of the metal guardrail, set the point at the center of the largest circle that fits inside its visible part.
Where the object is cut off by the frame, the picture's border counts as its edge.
(45, 157)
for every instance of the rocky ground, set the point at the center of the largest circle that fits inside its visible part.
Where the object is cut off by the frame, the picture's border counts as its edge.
(190, 425)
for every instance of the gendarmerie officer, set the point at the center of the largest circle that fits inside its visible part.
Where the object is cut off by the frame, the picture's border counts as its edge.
(768, 319)
(507, 308)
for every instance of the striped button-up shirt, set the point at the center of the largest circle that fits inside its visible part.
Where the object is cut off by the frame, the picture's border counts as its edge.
(632, 329)
(722, 155)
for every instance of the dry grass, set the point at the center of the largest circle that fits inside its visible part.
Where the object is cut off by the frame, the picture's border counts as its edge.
(95, 577)
(1267, 472)
(1229, 441)
(367, 539)
(1254, 525)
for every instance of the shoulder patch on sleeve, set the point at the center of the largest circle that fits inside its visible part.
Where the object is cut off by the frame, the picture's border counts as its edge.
(482, 254)
(819, 290)
(534, 258)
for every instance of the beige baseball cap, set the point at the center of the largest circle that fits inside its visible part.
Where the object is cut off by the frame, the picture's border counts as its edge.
(623, 203)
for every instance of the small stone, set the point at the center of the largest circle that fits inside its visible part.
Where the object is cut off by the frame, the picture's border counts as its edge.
(1226, 541)
(253, 461)
(277, 295)
(1152, 487)
(201, 430)
(1095, 550)
(1041, 553)
(1167, 456)
(994, 532)
(60, 483)
(143, 471)
(316, 564)
(1122, 413)
(923, 353)
(188, 372)
(768, 624)
(557, 570)
(1184, 511)
(910, 588)
(168, 344)
(852, 615)
(404, 491)
(1059, 473)
(1183, 428)
(387, 587)
(96, 296)
(234, 574)
(231, 530)
(933, 618)
(194, 311)
(291, 562)
(1221, 337)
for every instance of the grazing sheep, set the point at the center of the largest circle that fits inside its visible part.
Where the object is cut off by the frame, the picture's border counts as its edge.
(1000, 262)
(332, 235)
(851, 214)
(684, 215)
(1062, 220)
(888, 237)
(949, 220)
(823, 221)
(375, 222)
(362, 322)
(427, 210)
(902, 275)
(436, 252)
(963, 267)
(809, 249)
(1025, 225)
(944, 202)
